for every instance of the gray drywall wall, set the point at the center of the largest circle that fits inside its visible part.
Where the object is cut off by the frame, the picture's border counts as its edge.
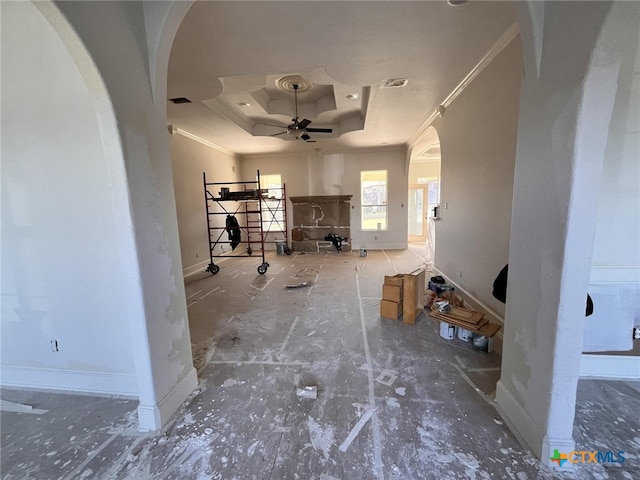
(190, 159)
(339, 174)
(478, 144)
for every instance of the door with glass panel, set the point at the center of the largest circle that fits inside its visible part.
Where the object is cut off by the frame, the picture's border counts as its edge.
(418, 213)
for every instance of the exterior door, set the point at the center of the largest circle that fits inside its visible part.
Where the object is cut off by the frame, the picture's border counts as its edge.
(418, 213)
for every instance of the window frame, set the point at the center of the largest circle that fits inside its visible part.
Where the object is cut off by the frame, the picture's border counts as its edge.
(368, 204)
(272, 209)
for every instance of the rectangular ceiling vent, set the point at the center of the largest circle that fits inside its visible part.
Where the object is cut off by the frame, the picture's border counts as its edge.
(178, 100)
(394, 83)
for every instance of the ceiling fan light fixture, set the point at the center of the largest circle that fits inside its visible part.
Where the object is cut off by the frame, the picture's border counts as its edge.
(352, 96)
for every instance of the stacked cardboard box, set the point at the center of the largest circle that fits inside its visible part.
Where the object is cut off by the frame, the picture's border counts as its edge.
(391, 303)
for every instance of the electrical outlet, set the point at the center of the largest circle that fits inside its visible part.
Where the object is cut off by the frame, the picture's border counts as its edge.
(636, 333)
(54, 346)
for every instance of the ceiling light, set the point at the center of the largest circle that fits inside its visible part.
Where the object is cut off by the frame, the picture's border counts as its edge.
(456, 3)
(244, 104)
(394, 83)
(352, 96)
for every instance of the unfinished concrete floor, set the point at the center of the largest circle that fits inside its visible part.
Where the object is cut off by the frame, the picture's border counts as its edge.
(394, 401)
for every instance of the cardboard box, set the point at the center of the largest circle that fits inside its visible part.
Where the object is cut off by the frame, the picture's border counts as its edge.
(296, 234)
(392, 293)
(389, 309)
(413, 295)
(397, 280)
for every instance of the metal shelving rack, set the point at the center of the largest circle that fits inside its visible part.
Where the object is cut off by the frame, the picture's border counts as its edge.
(250, 204)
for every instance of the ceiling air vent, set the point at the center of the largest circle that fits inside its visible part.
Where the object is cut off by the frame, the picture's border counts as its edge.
(178, 100)
(394, 83)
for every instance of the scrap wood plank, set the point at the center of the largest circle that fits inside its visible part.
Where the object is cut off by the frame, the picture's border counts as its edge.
(486, 329)
(443, 317)
(465, 315)
(489, 330)
(455, 315)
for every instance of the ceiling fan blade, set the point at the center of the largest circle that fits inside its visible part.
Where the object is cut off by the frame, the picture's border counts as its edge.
(320, 130)
(281, 133)
(303, 124)
(305, 137)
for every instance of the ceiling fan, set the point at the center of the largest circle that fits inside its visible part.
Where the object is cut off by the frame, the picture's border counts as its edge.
(299, 128)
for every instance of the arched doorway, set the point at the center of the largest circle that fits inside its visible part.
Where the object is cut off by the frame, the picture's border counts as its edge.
(424, 193)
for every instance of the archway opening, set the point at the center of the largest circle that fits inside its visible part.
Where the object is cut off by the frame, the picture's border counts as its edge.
(424, 193)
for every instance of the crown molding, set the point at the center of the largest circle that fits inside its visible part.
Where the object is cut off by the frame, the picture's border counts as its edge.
(173, 130)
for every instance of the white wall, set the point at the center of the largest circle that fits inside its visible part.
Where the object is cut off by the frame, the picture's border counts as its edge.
(478, 145)
(164, 363)
(339, 174)
(615, 272)
(190, 159)
(130, 156)
(566, 102)
(62, 270)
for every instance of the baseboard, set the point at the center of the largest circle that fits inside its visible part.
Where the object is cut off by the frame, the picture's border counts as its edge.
(200, 267)
(619, 367)
(125, 384)
(518, 420)
(154, 417)
(381, 246)
(562, 446)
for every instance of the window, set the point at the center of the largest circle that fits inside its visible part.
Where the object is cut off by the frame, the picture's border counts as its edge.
(272, 206)
(373, 202)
